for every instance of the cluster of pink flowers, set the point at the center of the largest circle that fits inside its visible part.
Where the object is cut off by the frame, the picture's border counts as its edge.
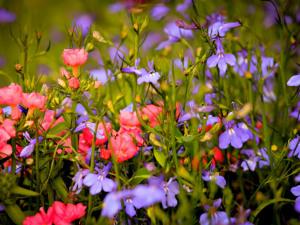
(58, 214)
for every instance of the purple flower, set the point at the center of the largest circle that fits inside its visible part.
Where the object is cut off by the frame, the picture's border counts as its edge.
(215, 17)
(159, 11)
(170, 188)
(6, 16)
(221, 59)
(183, 6)
(27, 150)
(174, 35)
(98, 182)
(264, 158)
(133, 69)
(112, 204)
(294, 147)
(296, 192)
(234, 135)
(150, 76)
(78, 179)
(296, 112)
(83, 22)
(252, 160)
(215, 177)
(147, 195)
(151, 40)
(214, 217)
(92, 128)
(241, 217)
(241, 66)
(268, 67)
(219, 29)
(294, 81)
(101, 75)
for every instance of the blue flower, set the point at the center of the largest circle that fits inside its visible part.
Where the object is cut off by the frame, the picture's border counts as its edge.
(78, 179)
(98, 182)
(294, 80)
(252, 160)
(219, 29)
(27, 150)
(214, 217)
(294, 147)
(6, 16)
(215, 177)
(170, 190)
(296, 192)
(221, 59)
(235, 135)
(159, 11)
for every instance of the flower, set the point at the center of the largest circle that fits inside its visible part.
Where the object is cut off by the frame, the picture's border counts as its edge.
(40, 218)
(27, 150)
(159, 11)
(170, 189)
(152, 114)
(214, 217)
(83, 22)
(78, 179)
(221, 59)
(233, 135)
(34, 100)
(294, 147)
(219, 29)
(98, 182)
(215, 177)
(11, 95)
(294, 80)
(296, 192)
(6, 16)
(74, 57)
(5, 150)
(252, 160)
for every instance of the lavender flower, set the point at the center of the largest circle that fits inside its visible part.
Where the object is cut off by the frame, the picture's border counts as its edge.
(296, 192)
(6, 16)
(252, 160)
(27, 150)
(219, 29)
(296, 112)
(174, 35)
(98, 182)
(233, 135)
(83, 22)
(214, 217)
(78, 179)
(221, 59)
(159, 11)
(294, 81)
(294, 147)
(170, 188)
(215, 177)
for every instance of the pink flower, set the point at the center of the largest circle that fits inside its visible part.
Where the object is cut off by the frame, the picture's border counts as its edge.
(74, 83)
(49, 120)
(39, 218)
(66, 213)
(151, 113)
(123, 146)
(34, 100)
(129, 120)
(9, 127)
(15, 113)
(5, 150)
(74, 57)
(4, 136)
(11, 95)
(65, 73)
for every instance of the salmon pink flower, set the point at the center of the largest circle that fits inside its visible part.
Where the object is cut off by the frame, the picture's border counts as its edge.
(40, 218)
(123, 146)
(11, 95)
(8, 126)
(74, 58)
(64, 214)
(5, 150)
(34, 100)
(151, 112)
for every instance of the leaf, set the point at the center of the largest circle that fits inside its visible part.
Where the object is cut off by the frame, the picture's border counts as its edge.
(57, 129)
(160, 157)
(186, 139)
(139, 176)
(269, 202)
(22, 191)
(15, 213)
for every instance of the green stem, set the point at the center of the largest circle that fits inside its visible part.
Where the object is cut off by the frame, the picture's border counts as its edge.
(13, 156)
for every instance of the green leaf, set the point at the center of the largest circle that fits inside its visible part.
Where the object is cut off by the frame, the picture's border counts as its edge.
(160, 157)
(22, 191)
(139, 176)
(57, 129)
(15, 213)
(269, 202)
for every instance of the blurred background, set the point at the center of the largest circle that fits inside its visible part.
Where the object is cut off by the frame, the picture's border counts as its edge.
(45, 27)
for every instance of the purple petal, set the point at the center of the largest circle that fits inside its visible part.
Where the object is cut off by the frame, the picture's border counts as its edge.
(230, 59)
(224, 140)
(217, 203)
(296, 190)
(220, 181)
(96, 188)
(294, 80)
(108, 185)
(112, 205)
(130, 210)
(297, 204)
(212, 61)
(222, 66)
(90, 179)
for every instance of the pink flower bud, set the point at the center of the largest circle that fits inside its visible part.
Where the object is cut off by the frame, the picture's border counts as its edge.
(74, 83)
